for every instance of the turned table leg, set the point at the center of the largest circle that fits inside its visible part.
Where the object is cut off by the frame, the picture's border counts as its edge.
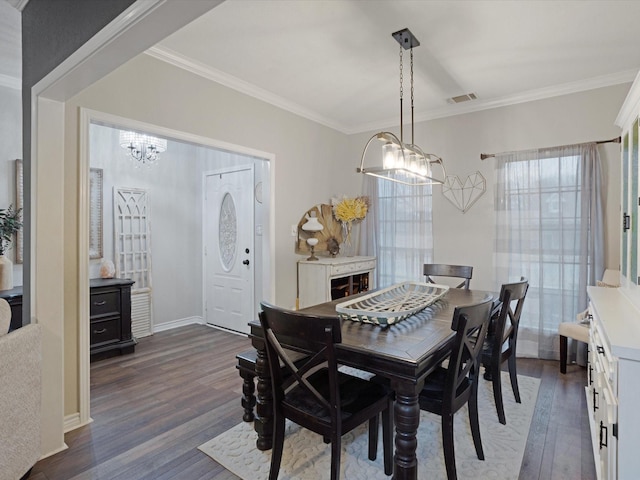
(263, 423)
(406, 414)
(248, 395)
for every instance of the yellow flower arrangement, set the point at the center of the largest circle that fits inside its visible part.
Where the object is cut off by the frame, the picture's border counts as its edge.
(349, 210)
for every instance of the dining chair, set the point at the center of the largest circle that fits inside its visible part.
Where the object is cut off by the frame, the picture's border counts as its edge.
(444, 270)
(315, 395)
(448, 389)
(500, 344)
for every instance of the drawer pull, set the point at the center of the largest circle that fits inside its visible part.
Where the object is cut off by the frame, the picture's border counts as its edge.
(595, 397)
(590, 375)
(98, 332)
(604, 434)
(99, 304)
(600, 349)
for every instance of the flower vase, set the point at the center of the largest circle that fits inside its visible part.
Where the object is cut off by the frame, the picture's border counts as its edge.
(6, 273)
(347, 248)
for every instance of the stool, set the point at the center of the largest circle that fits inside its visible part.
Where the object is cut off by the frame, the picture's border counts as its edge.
(577, 331)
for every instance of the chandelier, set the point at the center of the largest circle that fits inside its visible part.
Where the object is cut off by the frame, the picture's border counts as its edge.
(141, 147)
(402, 162)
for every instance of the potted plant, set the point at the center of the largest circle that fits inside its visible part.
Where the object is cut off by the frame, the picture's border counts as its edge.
(9, 225)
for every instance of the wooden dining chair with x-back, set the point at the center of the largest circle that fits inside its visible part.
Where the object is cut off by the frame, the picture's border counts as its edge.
(315, 395)
(448, 389)
(500, 345)
(451, 271)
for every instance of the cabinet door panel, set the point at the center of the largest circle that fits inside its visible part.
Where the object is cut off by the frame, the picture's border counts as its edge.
(625, 205)
(634, 203)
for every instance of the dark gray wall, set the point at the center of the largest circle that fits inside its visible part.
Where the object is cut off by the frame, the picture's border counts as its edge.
(51, 31)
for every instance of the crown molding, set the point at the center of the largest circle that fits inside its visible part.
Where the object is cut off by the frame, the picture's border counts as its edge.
(630, 105)
(171, 57)
(530, 96)
(18, 4)
(198, 68)
(10, 82)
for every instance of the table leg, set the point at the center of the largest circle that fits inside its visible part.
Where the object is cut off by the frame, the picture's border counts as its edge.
(263, 423)
(407, 419)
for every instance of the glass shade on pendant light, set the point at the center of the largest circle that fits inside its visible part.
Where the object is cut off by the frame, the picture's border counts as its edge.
(400, 162)
(389, 155)
(142, 148)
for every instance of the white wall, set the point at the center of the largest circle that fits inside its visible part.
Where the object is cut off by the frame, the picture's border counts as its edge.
(10, 112)
(304, 151)
(581, 117)
(10, 150)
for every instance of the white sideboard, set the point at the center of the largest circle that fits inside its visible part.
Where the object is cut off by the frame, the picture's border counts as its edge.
(330, 278)
(613, 383)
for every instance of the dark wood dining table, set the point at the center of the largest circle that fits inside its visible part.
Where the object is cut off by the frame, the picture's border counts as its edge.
(405, 353)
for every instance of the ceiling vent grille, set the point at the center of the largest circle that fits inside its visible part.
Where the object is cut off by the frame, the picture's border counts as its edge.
(462, 98)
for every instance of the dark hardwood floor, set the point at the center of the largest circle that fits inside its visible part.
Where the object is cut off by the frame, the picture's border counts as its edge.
(180, 388)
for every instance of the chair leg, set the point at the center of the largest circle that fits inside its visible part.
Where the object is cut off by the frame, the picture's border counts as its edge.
(387, 438)
(278, 446)
(475, 424)
(447, 445)
(563, 354)
(513, 374)
(497, 394)
(336, 446)
(373, 437)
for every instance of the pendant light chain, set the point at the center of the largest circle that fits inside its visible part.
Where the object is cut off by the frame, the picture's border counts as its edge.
(401, 96)
(412, 142)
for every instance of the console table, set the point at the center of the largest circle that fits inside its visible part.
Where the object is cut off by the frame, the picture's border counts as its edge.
(328, 278)
(110, 317)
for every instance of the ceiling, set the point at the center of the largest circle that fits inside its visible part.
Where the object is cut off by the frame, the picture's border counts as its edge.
(335, 61)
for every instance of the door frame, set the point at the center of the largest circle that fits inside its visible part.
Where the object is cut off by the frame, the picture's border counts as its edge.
(89, 116)
(138, 27)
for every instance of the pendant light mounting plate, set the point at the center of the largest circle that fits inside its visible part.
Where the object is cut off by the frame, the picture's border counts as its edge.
(405, 38)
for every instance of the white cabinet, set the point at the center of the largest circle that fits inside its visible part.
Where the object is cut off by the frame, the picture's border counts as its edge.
(627, 120)
(331, 278)
(613, 383)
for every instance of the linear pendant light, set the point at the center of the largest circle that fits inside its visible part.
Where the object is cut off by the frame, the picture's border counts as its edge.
(401, 162)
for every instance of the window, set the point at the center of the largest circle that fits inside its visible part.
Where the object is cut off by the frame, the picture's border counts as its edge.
(398, 230)
(549, 229)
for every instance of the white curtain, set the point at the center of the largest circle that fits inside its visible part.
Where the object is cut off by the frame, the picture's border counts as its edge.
(549, 228)
(398, 230)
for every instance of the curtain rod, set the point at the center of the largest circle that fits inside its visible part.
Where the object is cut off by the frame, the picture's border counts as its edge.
(484, 156)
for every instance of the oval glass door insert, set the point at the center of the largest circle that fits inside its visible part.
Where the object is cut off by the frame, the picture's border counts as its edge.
(227, 231)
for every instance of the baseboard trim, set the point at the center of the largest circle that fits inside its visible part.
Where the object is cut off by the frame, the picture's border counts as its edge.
(71, 422)
(53, 452)
(161, 327)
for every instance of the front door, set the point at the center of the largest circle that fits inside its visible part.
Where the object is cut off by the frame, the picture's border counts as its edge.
(228, 248)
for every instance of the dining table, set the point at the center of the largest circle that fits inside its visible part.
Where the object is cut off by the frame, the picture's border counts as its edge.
(405, 353)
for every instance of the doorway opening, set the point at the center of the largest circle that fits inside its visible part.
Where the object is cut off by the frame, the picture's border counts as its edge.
(177, 211)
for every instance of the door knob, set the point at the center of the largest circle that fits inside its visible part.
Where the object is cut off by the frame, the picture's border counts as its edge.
(245, 262)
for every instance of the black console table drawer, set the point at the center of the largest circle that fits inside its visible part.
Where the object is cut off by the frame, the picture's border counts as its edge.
(105, 331)
(105, 303)
(110, 318)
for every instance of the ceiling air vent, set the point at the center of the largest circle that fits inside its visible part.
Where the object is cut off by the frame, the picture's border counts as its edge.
(462, 98)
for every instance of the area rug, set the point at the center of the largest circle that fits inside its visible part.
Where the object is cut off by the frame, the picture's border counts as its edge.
(306, 457)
